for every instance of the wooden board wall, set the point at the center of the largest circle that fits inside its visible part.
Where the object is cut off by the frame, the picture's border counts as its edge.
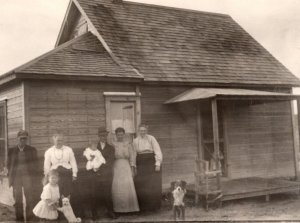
(174, 126)
(76, 109)
(14, 95)
(80, 25)
(259, 139)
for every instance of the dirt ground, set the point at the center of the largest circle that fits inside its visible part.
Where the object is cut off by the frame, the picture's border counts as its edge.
(282, 207)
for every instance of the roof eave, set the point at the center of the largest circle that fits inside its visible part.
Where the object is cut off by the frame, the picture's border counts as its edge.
(223, 84)
(39, 76)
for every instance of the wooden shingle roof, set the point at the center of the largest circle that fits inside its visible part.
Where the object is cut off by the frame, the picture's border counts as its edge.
(175, 45)
(82, 56)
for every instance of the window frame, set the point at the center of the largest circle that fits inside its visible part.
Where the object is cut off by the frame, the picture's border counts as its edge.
(4, 104)
(122, 97)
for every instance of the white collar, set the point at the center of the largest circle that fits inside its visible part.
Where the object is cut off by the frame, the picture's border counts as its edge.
(61, 148)
(21, 149)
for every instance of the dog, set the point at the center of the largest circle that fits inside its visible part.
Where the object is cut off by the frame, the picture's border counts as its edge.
(67, 210)
(178, 191)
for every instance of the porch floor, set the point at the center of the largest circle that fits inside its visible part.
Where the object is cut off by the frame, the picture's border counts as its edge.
(253, 187)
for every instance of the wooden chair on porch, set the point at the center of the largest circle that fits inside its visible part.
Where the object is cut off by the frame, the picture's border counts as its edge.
(207, 184)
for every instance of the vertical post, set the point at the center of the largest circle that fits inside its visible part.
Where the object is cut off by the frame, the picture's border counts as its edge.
(26, 108)
(199, 134)
(215, 123)
(5, 134)
(138, 108)
(295, 139)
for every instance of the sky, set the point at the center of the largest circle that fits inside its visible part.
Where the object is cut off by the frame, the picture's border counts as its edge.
(30, 28)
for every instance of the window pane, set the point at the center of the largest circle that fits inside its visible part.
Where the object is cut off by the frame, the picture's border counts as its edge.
(122, 115)
(2, 154)
(2, 122)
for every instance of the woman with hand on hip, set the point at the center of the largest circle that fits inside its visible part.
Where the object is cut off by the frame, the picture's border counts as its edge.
(147, 167)
(61, 158)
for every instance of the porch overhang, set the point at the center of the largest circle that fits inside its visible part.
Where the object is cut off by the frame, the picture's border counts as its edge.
(229, 94)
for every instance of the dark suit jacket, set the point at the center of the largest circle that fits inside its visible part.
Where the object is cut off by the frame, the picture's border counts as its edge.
(106, 170)
(31, 160)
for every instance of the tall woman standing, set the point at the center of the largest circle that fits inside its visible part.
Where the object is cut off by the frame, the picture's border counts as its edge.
(147, 166)
(123, 190)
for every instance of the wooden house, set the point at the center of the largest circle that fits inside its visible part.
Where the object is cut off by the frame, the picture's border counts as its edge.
(200, 81)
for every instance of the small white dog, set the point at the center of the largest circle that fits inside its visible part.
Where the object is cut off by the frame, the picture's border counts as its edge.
(67, 210)
(178, 191)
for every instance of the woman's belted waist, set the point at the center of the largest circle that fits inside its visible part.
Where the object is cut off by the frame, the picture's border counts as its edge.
(145, 152)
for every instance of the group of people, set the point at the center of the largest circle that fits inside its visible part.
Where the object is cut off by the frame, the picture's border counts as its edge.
(121, 175)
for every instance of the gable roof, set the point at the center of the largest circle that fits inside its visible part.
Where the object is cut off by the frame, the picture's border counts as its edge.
(169, 44)
(140, 42)
(83, 56)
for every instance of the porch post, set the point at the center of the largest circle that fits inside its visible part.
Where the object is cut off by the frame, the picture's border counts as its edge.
(199, 133)
(295, 137)
(216, 137)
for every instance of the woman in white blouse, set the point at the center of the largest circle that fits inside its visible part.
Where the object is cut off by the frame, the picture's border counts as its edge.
(147, 166)
(62, 159)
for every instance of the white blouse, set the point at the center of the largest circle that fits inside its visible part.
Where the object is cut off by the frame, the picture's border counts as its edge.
(50, 193)
(147, 144)
(60, 157)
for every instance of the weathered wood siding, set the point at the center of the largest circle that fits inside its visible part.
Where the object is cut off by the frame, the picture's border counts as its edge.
(174, 126)
(80, 26)
(76, 109)
(259, 139)
(14, 95)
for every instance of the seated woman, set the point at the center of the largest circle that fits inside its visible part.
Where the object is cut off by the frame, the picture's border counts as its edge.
(61, 158)
(123, 190)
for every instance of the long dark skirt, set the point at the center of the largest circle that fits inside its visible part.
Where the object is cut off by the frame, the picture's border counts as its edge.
(65, 182)
(148, 183)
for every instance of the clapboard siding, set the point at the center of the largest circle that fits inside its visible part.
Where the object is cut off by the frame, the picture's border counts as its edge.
(14, 95)
(174, 126)
(259, 139)
(76, 109)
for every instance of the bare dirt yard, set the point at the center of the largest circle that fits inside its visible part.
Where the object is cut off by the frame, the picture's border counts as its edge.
(282, 207)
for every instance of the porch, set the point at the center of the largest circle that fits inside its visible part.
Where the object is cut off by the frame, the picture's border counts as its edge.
(233, 189)
(250, 136)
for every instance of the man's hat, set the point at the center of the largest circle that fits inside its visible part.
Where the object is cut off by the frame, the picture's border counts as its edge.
(23, 134)
(102, 130)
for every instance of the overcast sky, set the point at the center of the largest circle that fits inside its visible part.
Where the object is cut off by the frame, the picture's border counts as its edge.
(29, 28)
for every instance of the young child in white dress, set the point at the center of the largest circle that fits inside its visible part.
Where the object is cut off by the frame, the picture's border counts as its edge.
(94, 157)
(46, 209)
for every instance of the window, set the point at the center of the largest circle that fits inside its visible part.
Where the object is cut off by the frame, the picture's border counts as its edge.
(122, 110)
(3, 135)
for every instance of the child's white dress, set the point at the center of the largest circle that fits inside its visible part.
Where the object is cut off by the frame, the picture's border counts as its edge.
(42, 209)
(93, 163)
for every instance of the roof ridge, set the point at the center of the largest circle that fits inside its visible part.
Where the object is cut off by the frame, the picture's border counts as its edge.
(60, 47)
(175, 8)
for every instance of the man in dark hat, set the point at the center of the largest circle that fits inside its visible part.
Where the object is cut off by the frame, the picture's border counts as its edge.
(22, 170)
(105, 175)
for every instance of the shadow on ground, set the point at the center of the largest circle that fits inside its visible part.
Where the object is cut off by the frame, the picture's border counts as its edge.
(280, 208)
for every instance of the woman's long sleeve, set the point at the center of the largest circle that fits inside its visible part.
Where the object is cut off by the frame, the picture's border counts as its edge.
(47, 163)
(73, 163)
(132, 155)
(157, 151)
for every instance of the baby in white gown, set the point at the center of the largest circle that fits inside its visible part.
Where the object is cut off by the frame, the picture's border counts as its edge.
(94, 157)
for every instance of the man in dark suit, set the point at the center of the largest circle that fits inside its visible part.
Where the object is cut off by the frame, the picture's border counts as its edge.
(105, 173)
(22, 172)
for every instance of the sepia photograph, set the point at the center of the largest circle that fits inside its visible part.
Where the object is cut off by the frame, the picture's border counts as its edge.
(149, 111)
